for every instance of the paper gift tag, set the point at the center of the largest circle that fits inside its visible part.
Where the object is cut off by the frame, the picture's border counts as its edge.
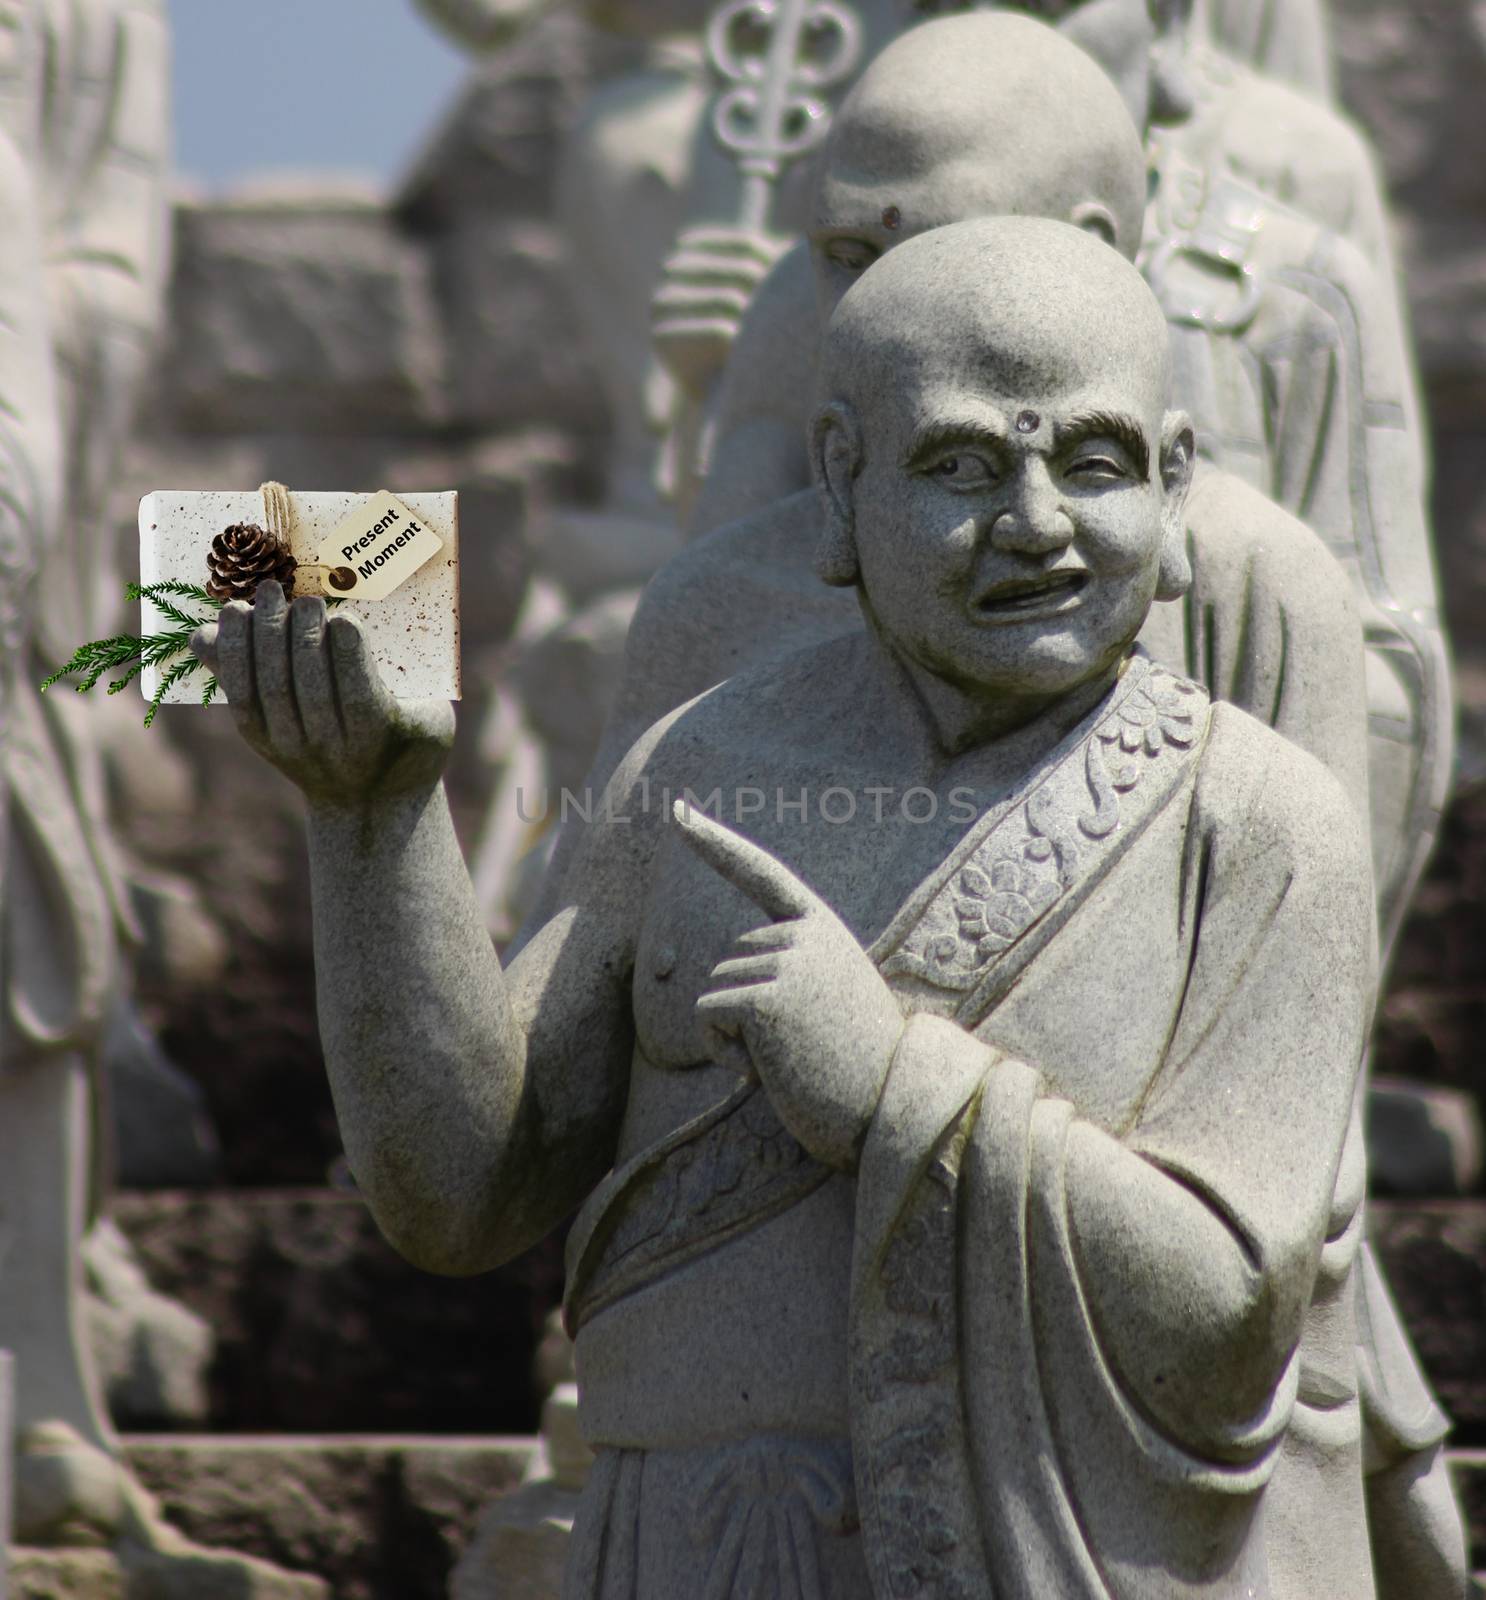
(412, 629)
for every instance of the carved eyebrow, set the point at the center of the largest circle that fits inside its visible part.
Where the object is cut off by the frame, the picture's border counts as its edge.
(934, 438)
(1125, 431)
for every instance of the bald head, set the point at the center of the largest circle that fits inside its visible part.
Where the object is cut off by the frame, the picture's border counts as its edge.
(1020, 303)
(998, 474)
(985, 114)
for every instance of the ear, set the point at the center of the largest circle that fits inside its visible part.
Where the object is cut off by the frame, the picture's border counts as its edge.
(1093, 216)
(835, 461)
(1178, 458)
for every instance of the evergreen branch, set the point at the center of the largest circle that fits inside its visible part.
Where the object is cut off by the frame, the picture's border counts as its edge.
(181, 591)
(182, 668)
(96, 658)
(135, 652)
(128, 678)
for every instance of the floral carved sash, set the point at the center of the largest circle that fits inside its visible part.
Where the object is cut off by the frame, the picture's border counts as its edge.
(954, 948)
(962, 938)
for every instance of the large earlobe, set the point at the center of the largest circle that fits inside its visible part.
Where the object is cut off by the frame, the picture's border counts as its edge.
(1178, 460)
(1093, 216)
(835, 461)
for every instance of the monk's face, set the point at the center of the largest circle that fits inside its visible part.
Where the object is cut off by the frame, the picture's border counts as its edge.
(1009, 521)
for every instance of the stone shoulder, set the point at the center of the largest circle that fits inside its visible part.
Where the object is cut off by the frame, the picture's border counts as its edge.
(1268, 795)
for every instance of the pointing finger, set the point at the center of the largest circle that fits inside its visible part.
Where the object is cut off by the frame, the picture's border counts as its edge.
(743, 971)
(767, 882)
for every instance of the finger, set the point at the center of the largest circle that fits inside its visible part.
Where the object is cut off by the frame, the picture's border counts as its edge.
(742, 972)
(309, 662)
(363, 699)
(686, 269)
(777, 936)
(712, 301)
(235, 667)
(275, 683)
(204, 647)
(733, 240)
(767, 882)
(722, 1023)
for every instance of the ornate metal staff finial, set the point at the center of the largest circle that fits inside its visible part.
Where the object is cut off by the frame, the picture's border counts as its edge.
(778, 56)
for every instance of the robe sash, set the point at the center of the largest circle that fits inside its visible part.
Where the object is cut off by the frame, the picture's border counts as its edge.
(955, 947)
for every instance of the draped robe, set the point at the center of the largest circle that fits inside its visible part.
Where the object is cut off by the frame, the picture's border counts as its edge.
(1106, 1217)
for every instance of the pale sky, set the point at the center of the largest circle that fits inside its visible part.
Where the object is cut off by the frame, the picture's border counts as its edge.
(340, 85)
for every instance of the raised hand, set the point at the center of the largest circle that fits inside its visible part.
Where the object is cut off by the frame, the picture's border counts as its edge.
(705, 288)
(306, 696)
(799, 1003)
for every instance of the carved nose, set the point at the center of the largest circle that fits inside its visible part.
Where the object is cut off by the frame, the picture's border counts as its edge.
(1037, 526)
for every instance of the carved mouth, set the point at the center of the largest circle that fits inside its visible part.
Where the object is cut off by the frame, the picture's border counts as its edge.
(1018, 598)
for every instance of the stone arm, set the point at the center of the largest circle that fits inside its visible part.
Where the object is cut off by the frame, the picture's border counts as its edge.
(1193, 1234)
(477, 1106)
(106, 164)
(1272, 625)
(764, 400)
(1349, 459)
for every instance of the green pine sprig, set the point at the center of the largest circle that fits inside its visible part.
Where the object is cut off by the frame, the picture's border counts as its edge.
(133, 652)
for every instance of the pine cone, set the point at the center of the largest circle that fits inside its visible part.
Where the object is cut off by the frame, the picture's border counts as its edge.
(242, 557)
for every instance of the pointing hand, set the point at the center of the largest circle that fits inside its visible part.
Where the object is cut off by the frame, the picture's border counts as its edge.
(799, 1003)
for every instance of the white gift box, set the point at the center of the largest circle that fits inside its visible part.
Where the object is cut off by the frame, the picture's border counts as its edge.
(413, 633)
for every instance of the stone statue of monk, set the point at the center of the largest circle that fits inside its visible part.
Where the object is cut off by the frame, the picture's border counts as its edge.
(1287, 348)
(966, 1125)
(1270, 623)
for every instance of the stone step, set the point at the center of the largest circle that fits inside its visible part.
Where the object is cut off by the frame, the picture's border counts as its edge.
(390, 1517)
(383, 1518)
(322, 1328)
(379, 1518)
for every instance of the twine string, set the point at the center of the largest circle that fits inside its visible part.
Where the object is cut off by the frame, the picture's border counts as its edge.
(278, 512)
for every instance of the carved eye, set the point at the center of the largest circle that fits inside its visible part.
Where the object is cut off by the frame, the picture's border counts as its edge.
(852, 255)
(963, 471)
(1098, 467)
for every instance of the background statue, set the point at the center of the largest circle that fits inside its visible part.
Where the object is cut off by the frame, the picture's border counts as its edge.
(989, 1323)
(84, 133)
(1288, 350)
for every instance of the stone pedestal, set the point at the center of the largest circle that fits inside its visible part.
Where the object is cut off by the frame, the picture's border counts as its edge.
(521, 1544)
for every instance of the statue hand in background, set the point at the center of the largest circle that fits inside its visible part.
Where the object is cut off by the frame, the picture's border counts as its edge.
(307, 698)
(706, 286)
(801, 1003)
(483, 25)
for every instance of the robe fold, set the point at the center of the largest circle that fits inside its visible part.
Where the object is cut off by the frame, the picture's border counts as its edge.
(1107, 1216)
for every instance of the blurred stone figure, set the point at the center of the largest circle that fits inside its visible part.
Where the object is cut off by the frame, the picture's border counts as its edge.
(639, 167)
(84, 120)
(1287, 39)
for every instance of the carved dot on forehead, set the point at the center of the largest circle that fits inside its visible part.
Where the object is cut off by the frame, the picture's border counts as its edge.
(1028, 422)
(892, 217)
